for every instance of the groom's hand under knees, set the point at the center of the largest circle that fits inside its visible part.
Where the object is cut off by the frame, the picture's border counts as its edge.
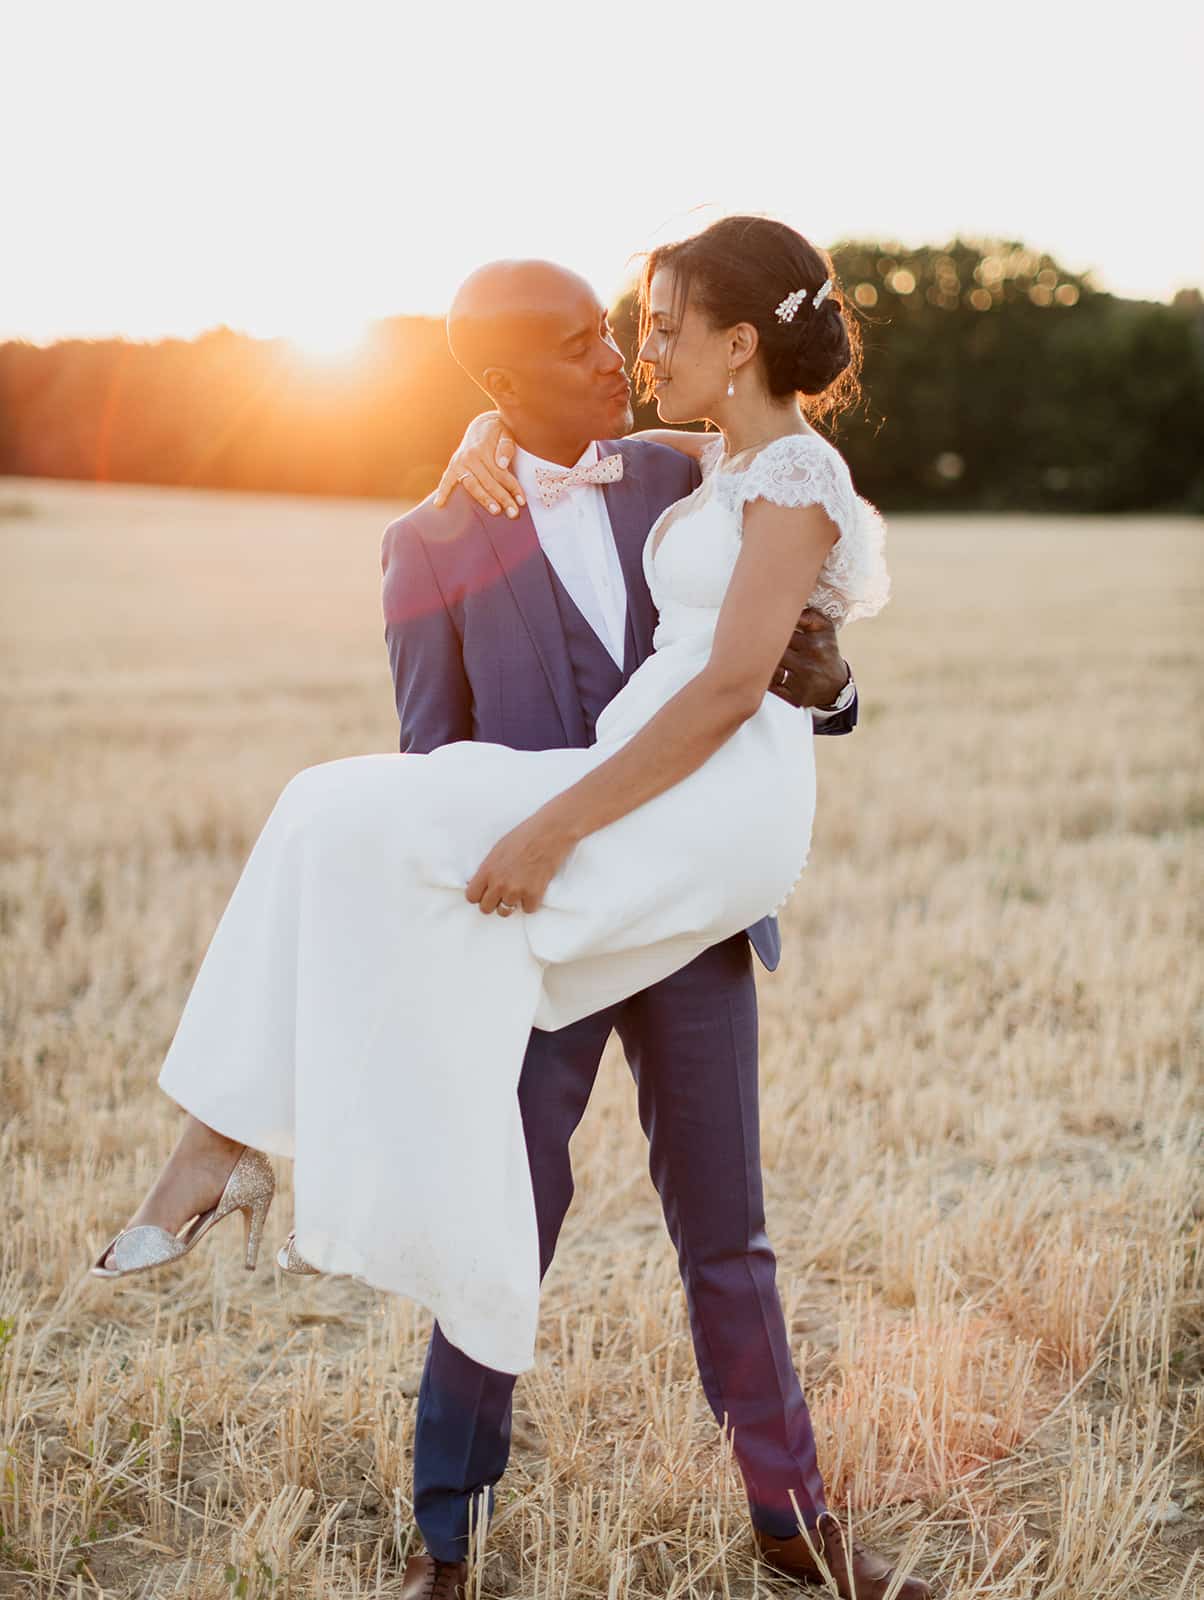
(812, 672)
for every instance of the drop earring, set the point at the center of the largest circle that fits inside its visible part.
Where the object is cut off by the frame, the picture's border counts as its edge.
(731, 386)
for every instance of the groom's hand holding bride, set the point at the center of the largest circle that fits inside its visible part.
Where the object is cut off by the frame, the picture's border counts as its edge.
(816, 672)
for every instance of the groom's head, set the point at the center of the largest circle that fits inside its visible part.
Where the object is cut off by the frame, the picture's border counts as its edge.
(537, 339)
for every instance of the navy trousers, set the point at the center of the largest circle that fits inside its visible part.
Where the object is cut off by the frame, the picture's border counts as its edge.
(691, 1044)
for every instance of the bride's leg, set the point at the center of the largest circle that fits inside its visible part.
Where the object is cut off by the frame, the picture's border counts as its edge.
(229, 1063)
(191, 1182)
(238, 979)
(356, 1014)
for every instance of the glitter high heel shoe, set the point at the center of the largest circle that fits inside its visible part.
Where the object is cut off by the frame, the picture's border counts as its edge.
(249, 1189)
(291, 1259)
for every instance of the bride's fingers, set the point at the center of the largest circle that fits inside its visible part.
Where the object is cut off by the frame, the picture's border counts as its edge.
(489, 897)
(446, 484)
(485, 478)
(487, 491)
(502, 489)
(482, 892)
(472, 469)
(471, 473)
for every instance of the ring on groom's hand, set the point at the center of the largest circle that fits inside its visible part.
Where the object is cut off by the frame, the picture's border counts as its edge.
(505, 909)
(781, 682)
(460, 476)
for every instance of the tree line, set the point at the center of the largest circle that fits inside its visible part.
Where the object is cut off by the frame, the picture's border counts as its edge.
(993, 379)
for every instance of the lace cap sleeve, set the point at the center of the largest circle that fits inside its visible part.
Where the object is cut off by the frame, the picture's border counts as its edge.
(803, 469)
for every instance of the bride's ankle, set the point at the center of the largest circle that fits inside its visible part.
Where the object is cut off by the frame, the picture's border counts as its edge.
(199, 1139)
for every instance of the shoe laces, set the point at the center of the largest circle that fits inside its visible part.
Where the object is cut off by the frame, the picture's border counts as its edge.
(444, 1580)
(845, 1545)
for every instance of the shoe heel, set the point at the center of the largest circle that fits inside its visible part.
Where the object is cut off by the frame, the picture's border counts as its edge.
(253, 1218)
(249, 1189)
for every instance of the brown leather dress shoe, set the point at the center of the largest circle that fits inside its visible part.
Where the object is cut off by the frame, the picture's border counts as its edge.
(428, 1579)
(859, 1574)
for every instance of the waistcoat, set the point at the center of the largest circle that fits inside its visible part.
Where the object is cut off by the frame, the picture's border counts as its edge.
(595, 674)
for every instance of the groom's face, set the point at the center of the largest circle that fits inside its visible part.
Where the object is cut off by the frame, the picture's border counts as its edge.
(571, 373)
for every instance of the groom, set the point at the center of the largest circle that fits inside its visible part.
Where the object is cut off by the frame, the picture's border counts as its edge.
(518, 630)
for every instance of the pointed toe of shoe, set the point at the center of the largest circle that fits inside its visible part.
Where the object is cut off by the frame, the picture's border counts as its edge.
(136, 1248)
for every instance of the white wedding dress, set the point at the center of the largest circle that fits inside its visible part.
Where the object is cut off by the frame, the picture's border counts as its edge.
(356, 1013)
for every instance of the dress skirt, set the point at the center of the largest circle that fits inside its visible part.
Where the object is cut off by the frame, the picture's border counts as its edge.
(355, 1013)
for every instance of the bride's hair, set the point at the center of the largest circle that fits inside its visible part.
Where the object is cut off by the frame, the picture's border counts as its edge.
(740, 269)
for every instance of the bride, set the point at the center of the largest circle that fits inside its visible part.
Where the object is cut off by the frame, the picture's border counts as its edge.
(403, 920)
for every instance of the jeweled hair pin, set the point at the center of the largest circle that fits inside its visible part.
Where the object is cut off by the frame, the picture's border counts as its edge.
(785, 311)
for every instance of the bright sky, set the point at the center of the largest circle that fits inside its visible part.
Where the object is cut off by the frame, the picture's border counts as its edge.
(301, 168)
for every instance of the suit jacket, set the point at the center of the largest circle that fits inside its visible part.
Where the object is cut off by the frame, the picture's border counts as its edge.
(475, 641)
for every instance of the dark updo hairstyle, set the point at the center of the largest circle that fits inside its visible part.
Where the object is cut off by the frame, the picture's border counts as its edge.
(740, 269)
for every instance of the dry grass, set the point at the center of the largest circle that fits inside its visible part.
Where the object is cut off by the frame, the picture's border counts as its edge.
(982, 1112)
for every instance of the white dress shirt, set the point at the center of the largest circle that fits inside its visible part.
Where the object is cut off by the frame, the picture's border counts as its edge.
(577, 539)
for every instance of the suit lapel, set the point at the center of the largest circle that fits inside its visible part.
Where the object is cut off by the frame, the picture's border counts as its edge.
(627, 507)
(520, 556)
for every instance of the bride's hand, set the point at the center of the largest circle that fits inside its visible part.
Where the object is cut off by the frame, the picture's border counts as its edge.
(519, 867)
(480, 463)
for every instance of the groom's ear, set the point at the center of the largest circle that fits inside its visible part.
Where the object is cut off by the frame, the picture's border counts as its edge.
(499, 385)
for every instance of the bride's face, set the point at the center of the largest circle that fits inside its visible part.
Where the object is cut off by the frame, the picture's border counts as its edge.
(687, 356)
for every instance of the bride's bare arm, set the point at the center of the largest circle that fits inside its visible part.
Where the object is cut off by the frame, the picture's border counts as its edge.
(781, 553)
(687, 441)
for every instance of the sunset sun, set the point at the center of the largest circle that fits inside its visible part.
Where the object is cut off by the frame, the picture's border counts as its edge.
(332, 339)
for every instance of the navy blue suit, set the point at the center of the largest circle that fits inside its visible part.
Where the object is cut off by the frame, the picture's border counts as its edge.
(485, 643)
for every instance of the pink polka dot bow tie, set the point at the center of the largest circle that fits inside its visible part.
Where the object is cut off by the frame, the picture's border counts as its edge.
(553, 484)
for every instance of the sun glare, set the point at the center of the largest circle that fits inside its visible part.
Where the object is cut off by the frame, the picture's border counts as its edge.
(332, 341)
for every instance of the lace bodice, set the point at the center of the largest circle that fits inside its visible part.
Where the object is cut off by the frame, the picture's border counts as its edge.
(692, 547)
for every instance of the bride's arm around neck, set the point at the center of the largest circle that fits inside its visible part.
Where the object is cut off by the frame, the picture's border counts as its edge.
(688, 441)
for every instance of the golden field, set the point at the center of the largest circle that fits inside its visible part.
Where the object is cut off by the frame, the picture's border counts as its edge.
(982, 1106)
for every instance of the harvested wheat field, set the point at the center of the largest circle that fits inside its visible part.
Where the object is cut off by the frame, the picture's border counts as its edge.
(982, 1111)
